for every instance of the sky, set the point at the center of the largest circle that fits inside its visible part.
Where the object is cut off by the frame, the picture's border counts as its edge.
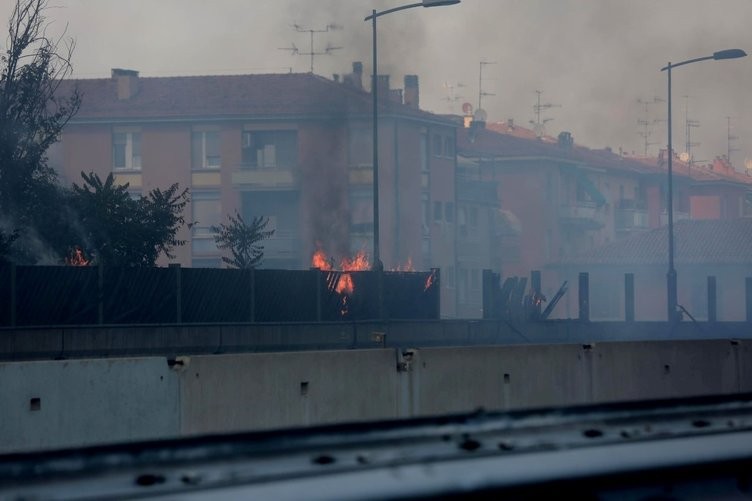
(596, 62)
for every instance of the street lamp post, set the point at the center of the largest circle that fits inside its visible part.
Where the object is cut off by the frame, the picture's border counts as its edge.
(377, 264)
(671, 288)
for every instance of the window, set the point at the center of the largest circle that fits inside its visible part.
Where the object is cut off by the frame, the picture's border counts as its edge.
(462, 220)
(424, 153)
(361, 147)
(437, 145)
(473, 217)
(207, 212)
(205, 153)
(425, 206)
(448, 146)
(449, 212)
(437, 211)
(361, 210)
(269, 149)
(126, 151)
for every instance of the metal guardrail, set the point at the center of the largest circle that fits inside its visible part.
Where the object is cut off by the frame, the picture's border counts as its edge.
(699, 447)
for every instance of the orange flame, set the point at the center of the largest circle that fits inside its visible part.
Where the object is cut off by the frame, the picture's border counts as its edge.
(77, 257)
(430, 280)
(408, 266)
(345, 285)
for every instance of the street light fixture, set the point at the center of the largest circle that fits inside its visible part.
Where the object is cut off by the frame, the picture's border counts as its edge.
(377, 264)
(671, 275)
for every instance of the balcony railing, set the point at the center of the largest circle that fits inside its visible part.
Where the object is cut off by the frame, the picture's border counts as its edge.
(584, 214)
(631, 219)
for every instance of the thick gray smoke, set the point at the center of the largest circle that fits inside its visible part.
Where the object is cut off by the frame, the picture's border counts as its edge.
(595, 59)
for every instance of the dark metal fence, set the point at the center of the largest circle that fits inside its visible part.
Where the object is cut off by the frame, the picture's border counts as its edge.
(68, 295)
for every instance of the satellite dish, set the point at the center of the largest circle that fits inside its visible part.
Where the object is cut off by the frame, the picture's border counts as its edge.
(684, 156)
(467, 108)
(480, 115)
(748, 163)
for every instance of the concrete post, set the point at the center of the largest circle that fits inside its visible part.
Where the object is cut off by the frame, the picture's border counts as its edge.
(629, 306)
(100, 294)
(253, 295)
(535, 286)
(178, 292)
(14, 296)
(712, 300)
(584, 297)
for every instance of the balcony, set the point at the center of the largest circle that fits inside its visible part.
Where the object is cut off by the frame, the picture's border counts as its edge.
(628, 220)
(265, 179)
(678, 216)
(581, 214)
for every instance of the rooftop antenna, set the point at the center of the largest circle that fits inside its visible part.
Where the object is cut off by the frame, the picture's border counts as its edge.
(729, 139)
(452, 97)
(302, 29)
(480, 84)
(646, 123)
(689, 125)
(540, 125)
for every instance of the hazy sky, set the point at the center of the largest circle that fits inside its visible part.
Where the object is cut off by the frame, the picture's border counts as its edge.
(594, 59)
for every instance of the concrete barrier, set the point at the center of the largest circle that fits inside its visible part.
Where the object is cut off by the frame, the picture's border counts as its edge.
(272, 390)
(58, 404)
(50, 404)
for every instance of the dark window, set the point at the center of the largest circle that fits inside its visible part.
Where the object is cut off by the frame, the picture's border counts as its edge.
(269, 149)
(449, 212)
(437, 212)
(437, 145)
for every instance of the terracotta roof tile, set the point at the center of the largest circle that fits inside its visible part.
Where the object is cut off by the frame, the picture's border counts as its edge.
(263, 95)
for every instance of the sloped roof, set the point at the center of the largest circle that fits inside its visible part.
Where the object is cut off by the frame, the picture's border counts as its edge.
(229, 96)
(695, 242)
(500, 145)
(488, 143)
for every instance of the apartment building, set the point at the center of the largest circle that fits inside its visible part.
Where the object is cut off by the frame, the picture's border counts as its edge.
(567, 204)
(296, 148)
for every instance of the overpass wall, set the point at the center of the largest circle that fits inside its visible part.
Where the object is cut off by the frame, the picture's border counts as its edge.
(94, 401)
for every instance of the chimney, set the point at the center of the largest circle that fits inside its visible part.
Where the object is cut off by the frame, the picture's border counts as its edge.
(127, 83)
(382, 84)
(510, 123)
(335, 77)
(395, 95)
(356, 77)
(412, 94)
(565, 140)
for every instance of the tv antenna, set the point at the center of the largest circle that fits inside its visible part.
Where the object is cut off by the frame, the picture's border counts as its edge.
(689, 125)
(540, 125)
(452, 97)
(646, 123)
(311, 52)
(480, 84)
(729, 139)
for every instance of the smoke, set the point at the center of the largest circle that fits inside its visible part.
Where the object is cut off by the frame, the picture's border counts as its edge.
(594, 60)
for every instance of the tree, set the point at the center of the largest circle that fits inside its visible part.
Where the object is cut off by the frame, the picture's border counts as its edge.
(32, 115)
(242, 240)
(122, 231)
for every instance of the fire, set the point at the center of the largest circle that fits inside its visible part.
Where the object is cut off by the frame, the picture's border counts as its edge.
(320, 261)
(344, 281)
(430, 280)
(77, 257)
(408, 266)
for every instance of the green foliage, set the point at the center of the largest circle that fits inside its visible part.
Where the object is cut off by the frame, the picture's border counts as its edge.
(122, 231)
(242, 240)
(32, 115)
